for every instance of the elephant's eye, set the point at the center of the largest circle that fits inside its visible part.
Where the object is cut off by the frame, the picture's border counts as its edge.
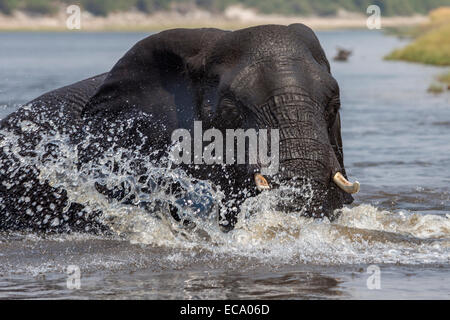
(229, 111)
(227, 102)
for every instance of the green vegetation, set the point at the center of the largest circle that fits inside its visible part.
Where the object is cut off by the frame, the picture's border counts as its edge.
(444, 82)
(152, 5)
(289, 7)
(6, 6)
(445, 78)
(327, 7)
(435, 88)
(432, 45)
(431, 48)
(33, 6)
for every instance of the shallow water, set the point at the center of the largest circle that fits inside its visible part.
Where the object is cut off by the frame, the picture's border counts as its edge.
(396, 143)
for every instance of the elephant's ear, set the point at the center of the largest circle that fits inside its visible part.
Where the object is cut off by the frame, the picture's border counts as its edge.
(156, 75)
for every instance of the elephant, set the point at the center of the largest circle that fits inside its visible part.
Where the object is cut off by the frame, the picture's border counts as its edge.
(263, 77)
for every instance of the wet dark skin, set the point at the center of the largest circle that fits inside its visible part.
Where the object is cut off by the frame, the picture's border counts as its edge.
(265, 77)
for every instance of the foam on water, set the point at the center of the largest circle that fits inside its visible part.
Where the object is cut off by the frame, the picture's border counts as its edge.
(362, 234)
(358, 236)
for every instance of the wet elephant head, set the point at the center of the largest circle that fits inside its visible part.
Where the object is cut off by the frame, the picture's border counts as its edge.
(267, 77)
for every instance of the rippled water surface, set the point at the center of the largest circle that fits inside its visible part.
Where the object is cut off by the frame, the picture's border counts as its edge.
(396, 143)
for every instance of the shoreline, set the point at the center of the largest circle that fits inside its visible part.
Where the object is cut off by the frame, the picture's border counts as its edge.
(231, 19)
(430, 43)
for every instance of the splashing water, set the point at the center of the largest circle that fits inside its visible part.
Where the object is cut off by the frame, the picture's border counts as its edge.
(362, 234)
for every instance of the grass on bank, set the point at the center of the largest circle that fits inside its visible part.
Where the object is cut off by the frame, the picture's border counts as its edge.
(432, 42)
(441, 84)
(445, 78)
(435, 88)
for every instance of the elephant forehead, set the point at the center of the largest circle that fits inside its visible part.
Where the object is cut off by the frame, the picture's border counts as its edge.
(267, 38)
(257, 43)
(268, 77)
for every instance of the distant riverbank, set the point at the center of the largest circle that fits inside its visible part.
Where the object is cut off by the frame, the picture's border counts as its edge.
(431, 45)
(234, 17)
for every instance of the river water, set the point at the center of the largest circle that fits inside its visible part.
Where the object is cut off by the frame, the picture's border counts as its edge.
(396, 143)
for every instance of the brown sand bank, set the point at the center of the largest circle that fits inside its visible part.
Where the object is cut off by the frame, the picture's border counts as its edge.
(234, 17)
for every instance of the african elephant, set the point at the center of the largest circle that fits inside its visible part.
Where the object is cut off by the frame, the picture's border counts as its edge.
(272, 77)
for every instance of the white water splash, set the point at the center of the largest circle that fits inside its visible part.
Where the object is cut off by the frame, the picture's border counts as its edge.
(363, 234)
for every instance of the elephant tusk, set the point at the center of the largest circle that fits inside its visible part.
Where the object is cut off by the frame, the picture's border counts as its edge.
(345, 185)
(261, 182)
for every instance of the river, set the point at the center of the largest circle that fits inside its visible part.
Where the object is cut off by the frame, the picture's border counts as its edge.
(396, 139)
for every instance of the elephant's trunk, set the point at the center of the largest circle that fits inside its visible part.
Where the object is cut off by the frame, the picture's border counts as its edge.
(308, 158)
